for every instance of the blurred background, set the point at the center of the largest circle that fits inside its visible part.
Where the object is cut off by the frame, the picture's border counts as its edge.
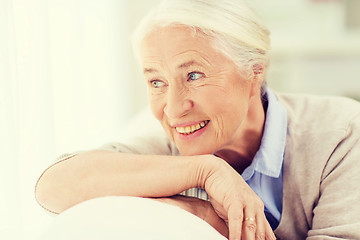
(69, 80)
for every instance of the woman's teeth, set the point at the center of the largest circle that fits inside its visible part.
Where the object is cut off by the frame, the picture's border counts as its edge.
(192, 128)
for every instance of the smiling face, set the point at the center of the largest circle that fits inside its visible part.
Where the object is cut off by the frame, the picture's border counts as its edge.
(195, 91)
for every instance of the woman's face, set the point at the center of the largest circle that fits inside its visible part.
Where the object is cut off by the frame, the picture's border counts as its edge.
(195, 91)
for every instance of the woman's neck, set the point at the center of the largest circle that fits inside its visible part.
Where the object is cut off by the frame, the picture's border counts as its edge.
(240, 151)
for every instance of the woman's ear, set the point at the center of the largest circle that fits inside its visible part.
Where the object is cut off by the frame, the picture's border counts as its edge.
(258, 70)
(258, 74)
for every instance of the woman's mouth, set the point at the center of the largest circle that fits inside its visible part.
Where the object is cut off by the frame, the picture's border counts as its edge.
(191, 128)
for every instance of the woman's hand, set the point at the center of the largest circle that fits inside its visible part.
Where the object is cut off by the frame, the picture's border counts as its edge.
(234, 201)
(201, 208)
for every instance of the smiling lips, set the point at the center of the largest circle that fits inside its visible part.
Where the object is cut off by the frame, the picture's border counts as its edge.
(192, 128)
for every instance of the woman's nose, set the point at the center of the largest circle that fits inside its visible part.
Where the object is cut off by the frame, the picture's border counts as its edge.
(178, 103)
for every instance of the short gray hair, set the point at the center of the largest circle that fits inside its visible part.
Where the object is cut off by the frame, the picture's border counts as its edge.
(237, 31)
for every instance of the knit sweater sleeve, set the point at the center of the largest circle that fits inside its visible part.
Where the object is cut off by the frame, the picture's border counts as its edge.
(336, 215)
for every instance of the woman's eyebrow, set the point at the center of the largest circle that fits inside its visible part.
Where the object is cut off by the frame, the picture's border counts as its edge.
(182, 65)
(188, 64)
(150, 70)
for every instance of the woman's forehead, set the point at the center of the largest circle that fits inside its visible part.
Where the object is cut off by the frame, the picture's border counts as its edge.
(177, 43)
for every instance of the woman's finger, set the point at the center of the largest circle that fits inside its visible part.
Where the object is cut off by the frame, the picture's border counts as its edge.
(269, 234)
(249, 225)
(235, 216)
(261, 224)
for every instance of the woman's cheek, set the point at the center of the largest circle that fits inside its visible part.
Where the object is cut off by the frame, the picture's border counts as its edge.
(157, 106)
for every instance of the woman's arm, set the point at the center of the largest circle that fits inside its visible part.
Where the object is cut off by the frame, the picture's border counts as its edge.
(337, 211)
(103, 173)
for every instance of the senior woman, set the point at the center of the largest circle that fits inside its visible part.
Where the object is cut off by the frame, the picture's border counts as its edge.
(268, 164)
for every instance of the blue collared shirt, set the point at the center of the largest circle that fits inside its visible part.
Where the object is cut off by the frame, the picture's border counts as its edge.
(264, 175)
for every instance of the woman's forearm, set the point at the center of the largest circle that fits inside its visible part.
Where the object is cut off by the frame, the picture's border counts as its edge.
(102, 173)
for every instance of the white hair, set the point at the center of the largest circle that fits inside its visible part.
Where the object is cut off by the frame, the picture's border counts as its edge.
(237, 31)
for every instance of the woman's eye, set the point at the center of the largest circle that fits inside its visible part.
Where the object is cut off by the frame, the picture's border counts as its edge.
(195, 75)
(157, 83)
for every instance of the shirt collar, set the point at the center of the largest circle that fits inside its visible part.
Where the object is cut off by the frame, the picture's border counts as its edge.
(270, 156)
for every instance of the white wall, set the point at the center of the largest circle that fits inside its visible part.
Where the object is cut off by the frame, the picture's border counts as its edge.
(313, 48)
(66, 85)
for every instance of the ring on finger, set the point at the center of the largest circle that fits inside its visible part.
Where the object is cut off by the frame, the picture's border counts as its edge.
(249, 219)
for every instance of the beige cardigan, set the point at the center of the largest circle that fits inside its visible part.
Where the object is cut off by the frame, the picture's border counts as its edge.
(321, 194)
(321, 191)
